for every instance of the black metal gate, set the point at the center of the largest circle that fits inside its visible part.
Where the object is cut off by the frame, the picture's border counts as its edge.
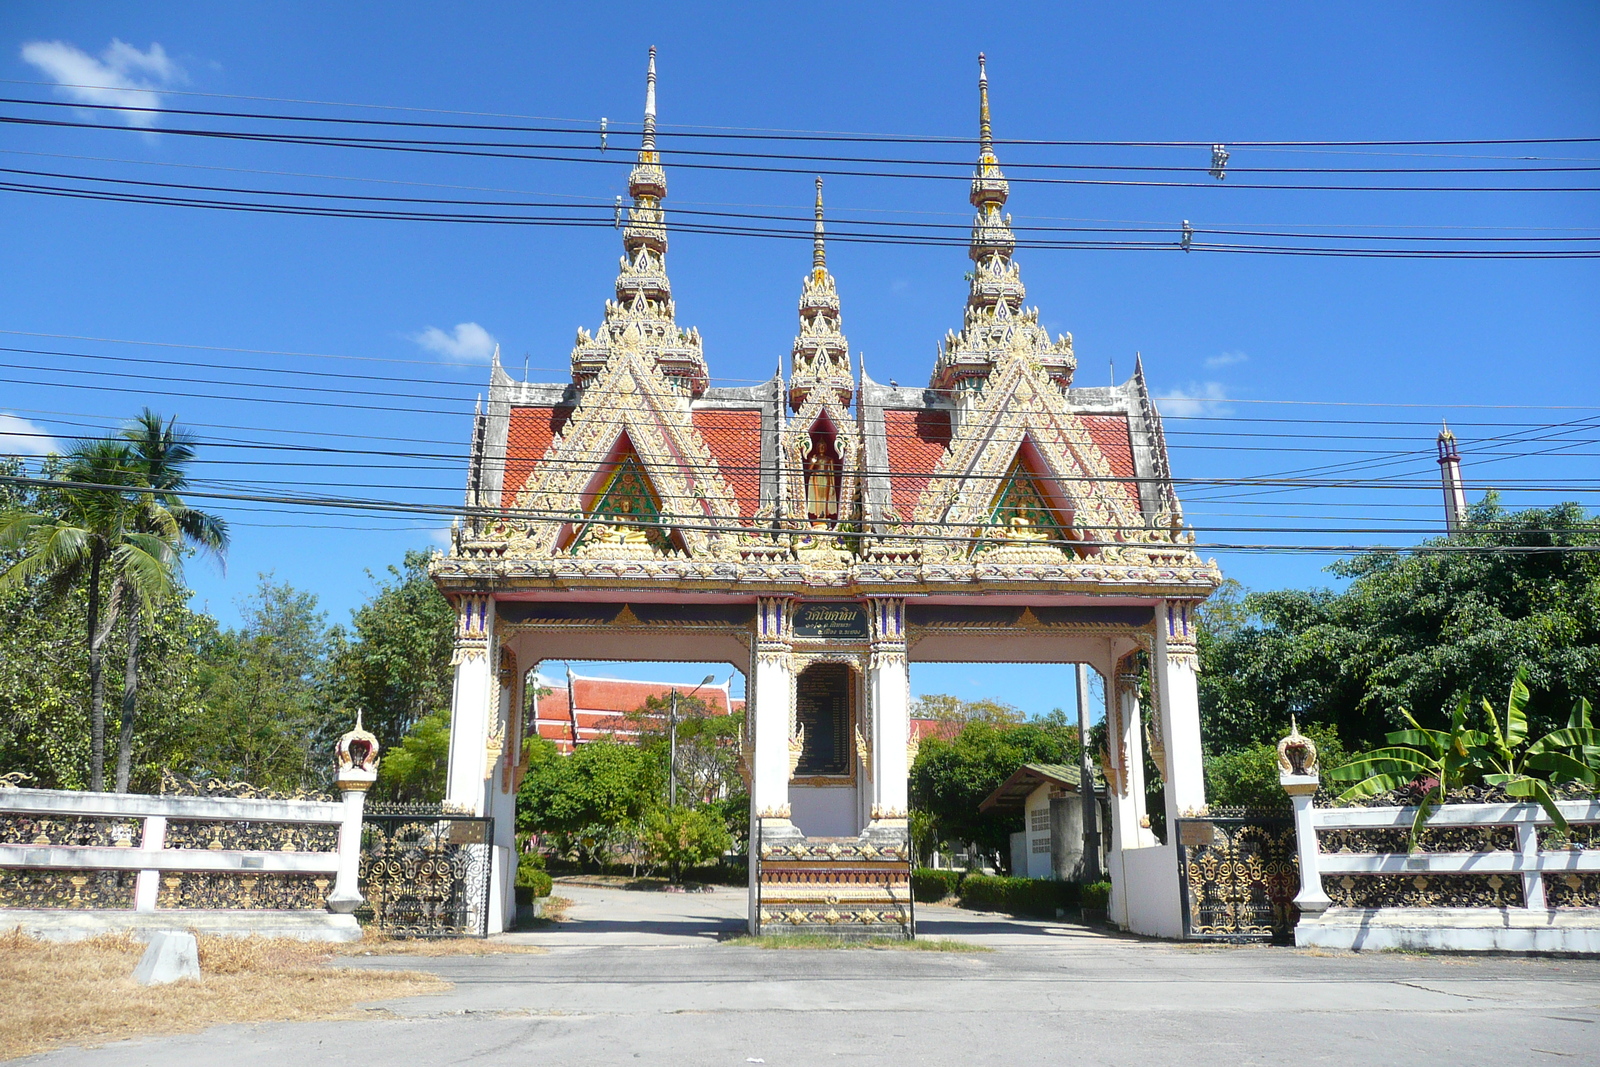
(425, 873)
(1239, 874)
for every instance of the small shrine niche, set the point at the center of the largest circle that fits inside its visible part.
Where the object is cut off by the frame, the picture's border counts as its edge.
(822, 470)
(1024, 514)
(626, 512)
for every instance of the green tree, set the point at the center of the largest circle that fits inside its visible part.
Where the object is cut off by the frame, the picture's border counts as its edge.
(684, 837)
(267, 718)
(95, 529)
(951, 778)
(1414, 631)
(1248, 777)
(595, 797)
(947, 708)
(395, 665)
(419, 768)
(158, 455)
(708, 745)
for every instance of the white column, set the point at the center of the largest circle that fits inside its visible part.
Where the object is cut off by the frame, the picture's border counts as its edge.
(889, 688)
(1123, 730)
(471, 702)
(346, 896)
(1176, 669)
(502, 802)
(1532, 880)
(1312, 898)
(147, 884)
(770, 696)
(769, 787)
(1129, 832)
(773, 678)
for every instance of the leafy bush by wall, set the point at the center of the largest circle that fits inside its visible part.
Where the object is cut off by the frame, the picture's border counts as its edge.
(1096, 895)
(1018, 896)
(929, 886)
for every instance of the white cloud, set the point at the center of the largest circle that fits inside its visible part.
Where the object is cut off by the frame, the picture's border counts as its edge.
(441, 537)
(1226, 359)
(469, 343)
(123, 76)
(18, 435)
(1200, 398)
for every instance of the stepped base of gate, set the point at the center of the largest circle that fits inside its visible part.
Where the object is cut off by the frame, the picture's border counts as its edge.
(846, 887)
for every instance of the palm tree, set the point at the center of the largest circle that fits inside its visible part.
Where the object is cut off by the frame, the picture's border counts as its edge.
(93, 525)
(159, 455)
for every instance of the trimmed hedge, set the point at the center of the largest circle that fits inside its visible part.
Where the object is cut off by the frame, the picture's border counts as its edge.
(929, 886)
(1097, 895)
(1018, 896)
(532, 875)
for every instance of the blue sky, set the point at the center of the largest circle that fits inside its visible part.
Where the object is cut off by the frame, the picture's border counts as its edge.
(1501, 348)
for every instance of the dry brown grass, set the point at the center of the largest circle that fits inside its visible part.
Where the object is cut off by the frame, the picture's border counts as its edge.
(83, 992)
(378, 945)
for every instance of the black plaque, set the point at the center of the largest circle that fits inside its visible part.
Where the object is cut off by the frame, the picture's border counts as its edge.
(822, 706)
(846, 622)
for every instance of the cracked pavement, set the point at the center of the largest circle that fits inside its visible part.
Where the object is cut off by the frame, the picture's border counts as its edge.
(641, 977)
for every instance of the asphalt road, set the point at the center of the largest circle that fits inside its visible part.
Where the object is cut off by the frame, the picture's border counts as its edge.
(641, 978)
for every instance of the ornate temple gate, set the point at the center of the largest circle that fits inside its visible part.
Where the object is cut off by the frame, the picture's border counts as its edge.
(425, 873)
(1240, 874)
(820, 532)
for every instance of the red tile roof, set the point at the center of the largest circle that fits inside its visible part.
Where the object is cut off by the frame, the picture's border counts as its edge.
(917, 441)
(941, 728)
(734, 438)
(527, 438)
(603, 706)
(1110, 435)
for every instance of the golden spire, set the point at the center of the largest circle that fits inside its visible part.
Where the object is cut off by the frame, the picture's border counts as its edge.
(819, 253)
(994, 311)
(821, 356)
(643, 312)
(985, 134)
(648, 142)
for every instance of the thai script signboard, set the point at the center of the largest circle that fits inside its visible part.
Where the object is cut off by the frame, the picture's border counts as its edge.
(846, 622)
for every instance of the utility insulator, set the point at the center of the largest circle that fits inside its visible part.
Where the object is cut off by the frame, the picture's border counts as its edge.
(1188, 234)
(616, 218)
(602, 133)
(1219, 162)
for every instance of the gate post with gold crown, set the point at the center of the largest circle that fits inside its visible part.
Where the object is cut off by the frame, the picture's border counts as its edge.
(357, 753)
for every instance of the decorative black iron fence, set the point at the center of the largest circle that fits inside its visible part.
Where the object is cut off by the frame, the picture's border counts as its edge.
(1239, 875)
(425, 873)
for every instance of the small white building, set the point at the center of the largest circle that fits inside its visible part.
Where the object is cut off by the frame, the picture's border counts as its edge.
(1050, 842)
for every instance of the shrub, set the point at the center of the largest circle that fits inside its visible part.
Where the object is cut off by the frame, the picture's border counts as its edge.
(1019, 896)
(532, 875)
(931, 886)
(683, 837)
(1096, 895)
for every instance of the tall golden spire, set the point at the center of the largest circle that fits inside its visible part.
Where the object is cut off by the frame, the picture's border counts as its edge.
(643, 312)
(994, 313)
(819, 252)
(821, 356)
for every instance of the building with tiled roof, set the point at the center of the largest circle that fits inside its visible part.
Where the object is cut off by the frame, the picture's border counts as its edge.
(820, 531)
(590, 709)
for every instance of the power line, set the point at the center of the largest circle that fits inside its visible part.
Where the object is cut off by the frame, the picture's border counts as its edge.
(602, 215)
(535, 152)
(392, 506)
(587, 127)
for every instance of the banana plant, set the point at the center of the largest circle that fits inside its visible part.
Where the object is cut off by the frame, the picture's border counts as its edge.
(1443, 757)
(1503, 761)
(1572, 754)
(1499, 757)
